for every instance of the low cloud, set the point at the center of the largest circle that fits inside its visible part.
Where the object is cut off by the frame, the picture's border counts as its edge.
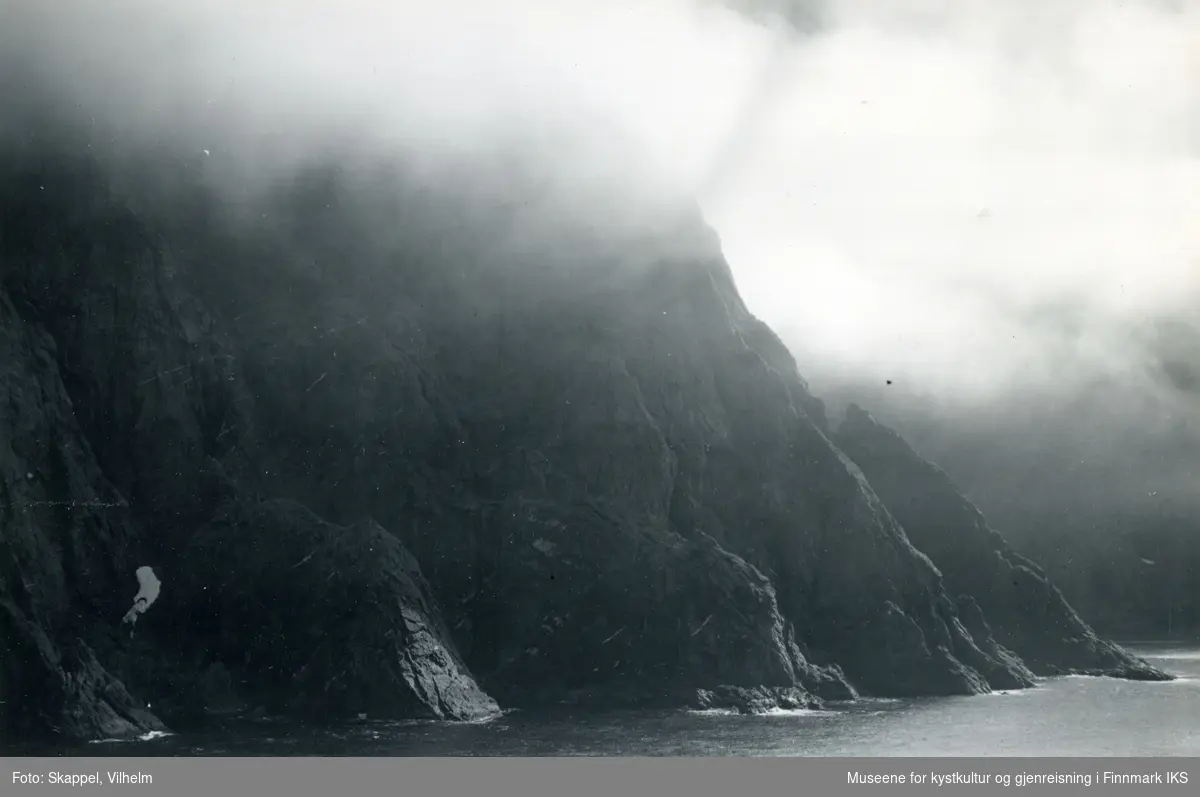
(991, 204)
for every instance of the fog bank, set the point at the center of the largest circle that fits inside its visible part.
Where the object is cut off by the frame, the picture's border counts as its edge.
(991, 204)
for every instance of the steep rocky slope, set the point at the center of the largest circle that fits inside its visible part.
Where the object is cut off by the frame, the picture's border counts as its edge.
(117, 391)
(1136, 578)
(335, 620)
(1096, 488)
(1024, 610)
(64, 536)
(614, 480)
(600, 403)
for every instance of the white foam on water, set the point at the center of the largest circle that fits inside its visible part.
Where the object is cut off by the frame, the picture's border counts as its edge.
(1189, 680)
(797, 712)
(145, 737)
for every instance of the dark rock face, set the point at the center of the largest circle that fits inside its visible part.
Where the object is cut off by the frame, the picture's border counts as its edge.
(1013, 672)
(1093, 490)
(63, 541)
(1134, 578)
(617, 485)
(646, 403)
(321, 619)
(1023, 610)
(62, 690)
(115, 375)
(758, 700)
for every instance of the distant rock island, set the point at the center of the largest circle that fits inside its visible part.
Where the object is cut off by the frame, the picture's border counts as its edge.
(384, 461)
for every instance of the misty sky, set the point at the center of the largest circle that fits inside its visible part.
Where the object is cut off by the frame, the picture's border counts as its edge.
(983, 194)
(960, 194)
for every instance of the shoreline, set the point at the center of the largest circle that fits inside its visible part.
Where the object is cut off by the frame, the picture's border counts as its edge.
(232, 735)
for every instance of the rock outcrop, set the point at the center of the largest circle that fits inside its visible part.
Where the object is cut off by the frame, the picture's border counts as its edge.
(1024, 611)
(64, 538)
(616, 484)
(753, 701)
(321, 619)
(549, 436)
(116, 376)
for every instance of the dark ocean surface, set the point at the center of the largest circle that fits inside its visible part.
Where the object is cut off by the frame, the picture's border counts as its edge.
(1071, 716)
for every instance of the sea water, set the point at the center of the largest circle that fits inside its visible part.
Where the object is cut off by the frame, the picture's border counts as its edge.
(1070, 716)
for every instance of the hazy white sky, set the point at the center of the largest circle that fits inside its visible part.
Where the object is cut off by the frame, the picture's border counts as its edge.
(921, 183)
(920, 177)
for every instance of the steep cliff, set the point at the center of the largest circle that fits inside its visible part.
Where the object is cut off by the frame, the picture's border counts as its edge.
(560, 421)
(615, 482)
(120, 396)
(1025, 611)
(64, 542)
(1095, 488)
